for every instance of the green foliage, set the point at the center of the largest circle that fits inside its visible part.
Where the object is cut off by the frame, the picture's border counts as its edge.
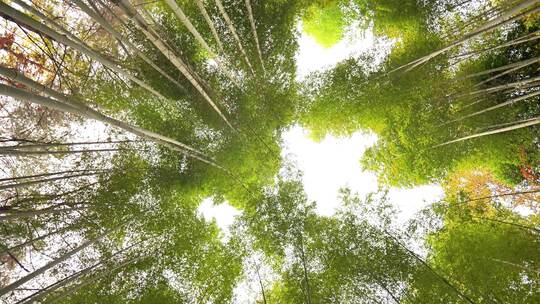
(159, 249)
(490, 255)
(410, 113)
(325, 23)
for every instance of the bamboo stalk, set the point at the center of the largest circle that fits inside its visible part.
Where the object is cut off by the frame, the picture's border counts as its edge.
(517, 126)
(42, 28)
(230, 25)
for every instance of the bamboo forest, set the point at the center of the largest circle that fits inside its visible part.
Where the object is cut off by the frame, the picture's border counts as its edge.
(270, 151)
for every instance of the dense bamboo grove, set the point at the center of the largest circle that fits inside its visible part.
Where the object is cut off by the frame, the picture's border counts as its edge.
(119, 118)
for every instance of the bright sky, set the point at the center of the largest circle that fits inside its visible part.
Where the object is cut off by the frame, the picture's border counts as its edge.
(332, 163)
(312, 57)
(223, 214)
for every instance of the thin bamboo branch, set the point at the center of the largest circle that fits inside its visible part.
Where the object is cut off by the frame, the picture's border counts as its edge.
(203, 11)
(522, 65)
(48, 174)
(9, 288)
(75, 107)
(98, 18)
(515, 84)
(500, 195)
(442, 278)
(517, 126)
(507, 17)
(31, 213)
(46, 180)
(230, 25)
(509, 102)
(254, 31)
(22, 152)
(42, 28)
(31, 241)
(170, 55)
(535, 35)
(187, 23)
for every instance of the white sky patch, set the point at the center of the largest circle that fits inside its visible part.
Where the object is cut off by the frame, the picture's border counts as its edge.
(329, 165)
(256, 271)
(333, 163)
(223, 214)
(91, 130)
(410, 201)
(312, 57)
(523, 211)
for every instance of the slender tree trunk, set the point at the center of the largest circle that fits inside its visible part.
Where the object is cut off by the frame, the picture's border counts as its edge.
(230, 25)
(501, 68)
(521, 66)
(170, 55)
(68, 204)
(46, 20)
(68, 144)
(518, 40)
(516, 84)
(260, 282)
(306, 279)
(485, 28)
(32, 241)
(45, 180)
(521, 84)
(516, 126)
(208, 20)
(11, 287)
(46, 197)
(515, 265)
(15, 215)
(492, 127)
(75, 107)
(479, 100)
(481, 17)
(535, 230)
(47, 31)
(388, 291)
(99, 19)
(37, 296)
(509, 102)
(157, 30)
(160, 32)
(458, 5)
(187, 23)
(19, 152)
(500, 195)
(48, 174)
(507, 15)
(254, 30)
(419, 259)
(83, 284)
